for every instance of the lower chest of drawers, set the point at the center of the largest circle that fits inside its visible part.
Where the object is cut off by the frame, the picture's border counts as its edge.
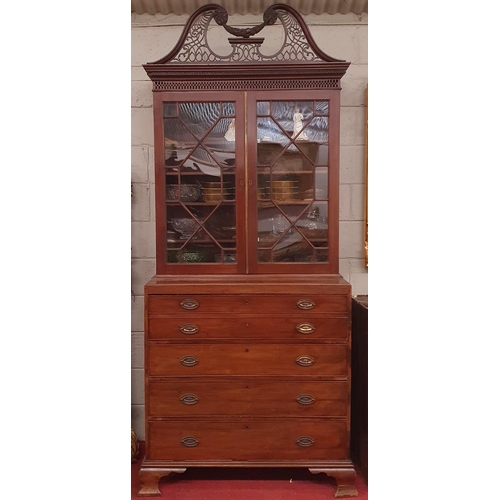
(247, 377)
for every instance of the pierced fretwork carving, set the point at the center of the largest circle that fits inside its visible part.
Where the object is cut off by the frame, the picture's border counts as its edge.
(245, 84)
(298, 44)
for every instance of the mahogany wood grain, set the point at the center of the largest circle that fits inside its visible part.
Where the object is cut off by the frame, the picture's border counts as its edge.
(162, 266)
(227, 389)
(160, 193)
(332, 266)
(345, 478)
(247, 359)
(247, 397)
(246, 304)
(246, 439)
(149, 478)
(261, 328)
(265, 284)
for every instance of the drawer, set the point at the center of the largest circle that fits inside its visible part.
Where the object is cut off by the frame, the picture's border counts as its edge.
(188, 397)
(278, 439)
(254, 304)
(247, 359)
(304, 326)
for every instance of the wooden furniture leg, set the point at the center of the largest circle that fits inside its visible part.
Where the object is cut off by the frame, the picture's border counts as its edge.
(149, 479)
(345, 481)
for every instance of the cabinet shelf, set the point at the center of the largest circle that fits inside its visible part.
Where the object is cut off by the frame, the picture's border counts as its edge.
(285, 172)
(204, 242)
(267, 204)
(174, 172)
(175, 203)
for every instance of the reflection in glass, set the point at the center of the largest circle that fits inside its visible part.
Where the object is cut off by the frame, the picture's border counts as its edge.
(200, 182)
(283, 113)
(199, 117)
(275, 224)
(321, 255)
(217, 136)
(317, 130)
(292, 248)
(321, 107)
(321, 183)
(269, 131)
(176, 133)
(175, 156)
(264, 256)
(322, 156)
(169, 109)
(221, 224)
(230, 134)
(227, 109)
(292, 181)
(226, 258)
(263, 108)
(293, 160)
(270, 224)
(200, 160)
(220, 142)
(314, 224)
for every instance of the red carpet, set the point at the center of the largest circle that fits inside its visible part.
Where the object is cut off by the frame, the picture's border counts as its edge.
(245, 484)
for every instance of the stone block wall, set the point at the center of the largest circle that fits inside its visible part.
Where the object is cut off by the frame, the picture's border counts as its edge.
(344, 36)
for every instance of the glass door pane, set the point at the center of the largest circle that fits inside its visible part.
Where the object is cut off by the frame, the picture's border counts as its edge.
(200, 182)
(292, 181)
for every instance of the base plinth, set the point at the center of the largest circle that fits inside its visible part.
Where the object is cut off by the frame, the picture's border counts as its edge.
(345, 480)
(149, 479)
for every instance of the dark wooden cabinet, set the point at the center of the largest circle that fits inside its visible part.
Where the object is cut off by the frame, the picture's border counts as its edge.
(359, 390)
(247, 320)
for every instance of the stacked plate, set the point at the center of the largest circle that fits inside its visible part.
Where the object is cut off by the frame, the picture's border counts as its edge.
(284, 190)
(214, 192)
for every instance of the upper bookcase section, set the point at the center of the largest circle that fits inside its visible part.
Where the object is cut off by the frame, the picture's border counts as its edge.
(193, 64)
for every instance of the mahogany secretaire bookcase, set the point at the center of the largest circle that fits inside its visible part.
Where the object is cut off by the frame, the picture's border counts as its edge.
(247, 320)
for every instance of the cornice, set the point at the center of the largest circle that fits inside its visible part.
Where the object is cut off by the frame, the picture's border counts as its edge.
(192, 59)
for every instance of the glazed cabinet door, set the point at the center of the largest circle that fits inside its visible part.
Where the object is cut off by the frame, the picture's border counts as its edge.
(200, 182)
(293, 140)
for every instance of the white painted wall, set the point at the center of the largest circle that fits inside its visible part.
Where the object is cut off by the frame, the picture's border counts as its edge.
(344, 36)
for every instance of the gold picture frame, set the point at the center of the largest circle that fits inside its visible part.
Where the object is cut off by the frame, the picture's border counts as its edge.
(366, 177)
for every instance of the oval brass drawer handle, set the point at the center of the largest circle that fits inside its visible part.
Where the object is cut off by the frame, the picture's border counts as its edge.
(305, 328)
(305, 304)
(189, 361)
(305, 441)
(305, 361)
(189, 399)
(305, 399)
(189, 441)
(190, 304)
(189, 329)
